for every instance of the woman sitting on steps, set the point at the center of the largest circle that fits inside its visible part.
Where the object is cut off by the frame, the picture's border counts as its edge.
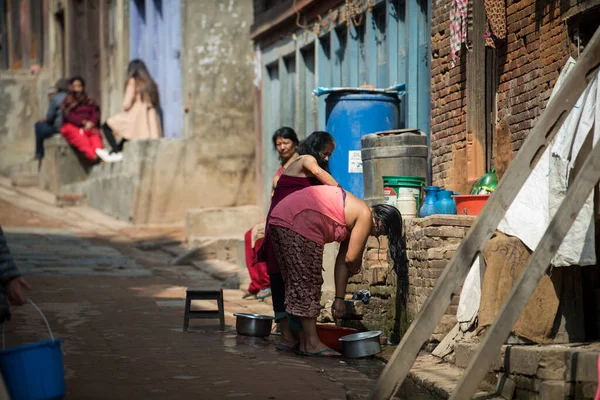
(140, 118)
(81, 115)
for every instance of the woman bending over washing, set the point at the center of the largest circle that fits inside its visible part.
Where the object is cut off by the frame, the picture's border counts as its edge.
(300, 226)
(310, 168)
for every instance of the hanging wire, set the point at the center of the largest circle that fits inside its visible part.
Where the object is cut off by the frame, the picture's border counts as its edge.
(352, 12)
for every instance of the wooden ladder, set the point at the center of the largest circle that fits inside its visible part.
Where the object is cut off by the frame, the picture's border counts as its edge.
(485, 225)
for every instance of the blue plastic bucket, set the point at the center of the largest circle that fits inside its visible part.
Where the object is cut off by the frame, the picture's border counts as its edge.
(34, 371)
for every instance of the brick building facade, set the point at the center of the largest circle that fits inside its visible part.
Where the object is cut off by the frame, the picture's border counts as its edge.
(519, 77)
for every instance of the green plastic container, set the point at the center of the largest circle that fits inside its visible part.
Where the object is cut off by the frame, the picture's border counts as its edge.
(486, 184)
(393, 185)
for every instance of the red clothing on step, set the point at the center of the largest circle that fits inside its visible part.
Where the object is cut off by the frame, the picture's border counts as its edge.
(86, 141)
(259, 279)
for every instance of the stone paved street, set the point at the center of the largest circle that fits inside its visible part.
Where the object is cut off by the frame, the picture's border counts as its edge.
(120, 312)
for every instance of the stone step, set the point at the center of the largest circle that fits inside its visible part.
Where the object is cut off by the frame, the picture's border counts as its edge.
(230, 249)
(573, 362)
(70, 200)
(230, 275)
(440, 377)
(221, 222)
(222, 258)
(26, 168)
(25, 180)
(61, 165)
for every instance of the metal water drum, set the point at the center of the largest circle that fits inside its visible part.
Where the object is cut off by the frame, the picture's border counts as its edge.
(392, 153)
(350, 116)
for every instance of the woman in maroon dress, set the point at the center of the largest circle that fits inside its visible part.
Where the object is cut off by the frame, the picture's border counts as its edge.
(285, 142)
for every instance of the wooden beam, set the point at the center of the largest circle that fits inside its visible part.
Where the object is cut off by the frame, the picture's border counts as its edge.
(371, 49)
(496, 335)
(323, 74)
(456, 271)
(4, 21)
(392, 42)
(476, 128)
(352, 55)
(277, 15)
(412, 75)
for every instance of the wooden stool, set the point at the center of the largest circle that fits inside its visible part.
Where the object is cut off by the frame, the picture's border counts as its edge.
(203, 294)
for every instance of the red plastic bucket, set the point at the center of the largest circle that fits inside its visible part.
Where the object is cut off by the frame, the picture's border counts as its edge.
(330, 335)
(470, 204)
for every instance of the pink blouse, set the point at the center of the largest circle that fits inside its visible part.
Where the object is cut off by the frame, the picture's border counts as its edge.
(316, 212)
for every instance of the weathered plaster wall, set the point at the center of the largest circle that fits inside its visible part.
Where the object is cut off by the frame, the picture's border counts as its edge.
(20, 108)
(157, 182)
(115, 58)
(217, 86)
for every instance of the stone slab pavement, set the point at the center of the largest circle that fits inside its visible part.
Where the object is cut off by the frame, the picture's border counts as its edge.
(119, 311)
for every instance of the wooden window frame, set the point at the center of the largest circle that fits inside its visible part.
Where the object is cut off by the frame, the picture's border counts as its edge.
(22, 33)
(4, 59)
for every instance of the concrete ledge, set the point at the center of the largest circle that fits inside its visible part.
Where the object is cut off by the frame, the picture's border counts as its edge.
(62, 165)
(221, 222)
(439, 377)
(159, 180)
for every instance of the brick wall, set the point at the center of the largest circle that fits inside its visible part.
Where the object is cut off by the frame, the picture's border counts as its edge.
(448, 101)
(431, 243)
(535, 50)
(529, 62)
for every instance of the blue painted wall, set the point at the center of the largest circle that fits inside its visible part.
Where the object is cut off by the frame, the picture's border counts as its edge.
(155, 38)
(391, 45)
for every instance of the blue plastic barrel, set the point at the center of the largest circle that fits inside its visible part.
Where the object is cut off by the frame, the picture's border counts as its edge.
(349, 117)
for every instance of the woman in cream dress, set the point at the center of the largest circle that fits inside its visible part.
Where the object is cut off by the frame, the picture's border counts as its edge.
(140, 117)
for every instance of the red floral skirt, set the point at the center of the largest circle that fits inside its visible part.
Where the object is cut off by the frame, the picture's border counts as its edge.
(301, 264)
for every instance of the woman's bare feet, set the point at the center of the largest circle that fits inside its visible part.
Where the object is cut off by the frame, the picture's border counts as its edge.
(316, 348)
(288, 337)
(319, 350)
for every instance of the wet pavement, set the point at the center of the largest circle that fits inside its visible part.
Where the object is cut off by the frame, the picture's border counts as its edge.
(120, 344)
(120, 314)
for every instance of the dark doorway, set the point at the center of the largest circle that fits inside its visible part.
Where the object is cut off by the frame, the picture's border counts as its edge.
(84, 40)
(59, 17)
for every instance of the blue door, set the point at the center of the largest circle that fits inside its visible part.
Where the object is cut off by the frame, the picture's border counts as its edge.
(155, 38)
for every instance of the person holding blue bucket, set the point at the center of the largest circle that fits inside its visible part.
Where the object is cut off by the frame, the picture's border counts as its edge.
(12, 287)
(30, 371)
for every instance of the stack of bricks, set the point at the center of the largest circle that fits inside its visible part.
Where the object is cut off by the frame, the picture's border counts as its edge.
(377, 277)
(431, 243)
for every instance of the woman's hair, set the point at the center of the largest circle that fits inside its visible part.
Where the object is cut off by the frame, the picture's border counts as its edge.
(62, 85)
(144, 82)
(390, 221)
(287, 133)
(77, 78)
(314, 144)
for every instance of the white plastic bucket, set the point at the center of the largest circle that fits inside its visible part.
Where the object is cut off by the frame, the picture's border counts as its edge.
(407, 204)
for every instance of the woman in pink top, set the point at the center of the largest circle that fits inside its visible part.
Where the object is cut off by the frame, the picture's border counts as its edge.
(301, 224)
